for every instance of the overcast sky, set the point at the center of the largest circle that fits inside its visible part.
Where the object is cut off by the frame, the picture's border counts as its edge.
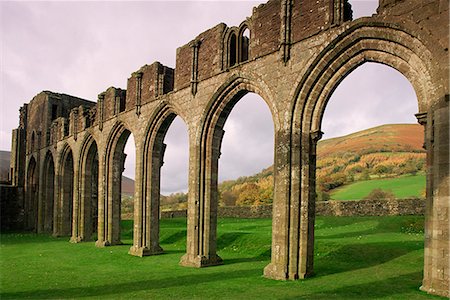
(82, 48)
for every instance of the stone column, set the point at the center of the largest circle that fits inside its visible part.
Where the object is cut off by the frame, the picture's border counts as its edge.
(102, 240)
(436, 257)
(57, 200)
(41, 199)
(202, 204)
(294, 207)
(77, 213)
(114, 198)
(147, 202)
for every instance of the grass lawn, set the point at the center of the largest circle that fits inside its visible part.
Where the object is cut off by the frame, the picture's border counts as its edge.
(402, 187)
(355, 258)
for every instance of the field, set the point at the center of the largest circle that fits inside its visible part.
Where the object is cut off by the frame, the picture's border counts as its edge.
(360, 257)
(402, 187)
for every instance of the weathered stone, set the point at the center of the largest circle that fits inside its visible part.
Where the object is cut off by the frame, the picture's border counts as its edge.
(297, 53)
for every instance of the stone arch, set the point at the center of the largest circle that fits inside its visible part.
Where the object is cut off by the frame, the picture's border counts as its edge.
(363, 42)
(109, 208)
(359, 43)
(86, 215)
(48, 200)
(31, 192)
(203, 170)
(66, 191)
(146, 229)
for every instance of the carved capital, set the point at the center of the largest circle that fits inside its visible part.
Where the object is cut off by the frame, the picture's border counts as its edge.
(421, 118)
(316, 136)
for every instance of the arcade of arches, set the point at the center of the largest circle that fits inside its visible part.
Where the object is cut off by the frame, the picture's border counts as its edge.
(67, 152)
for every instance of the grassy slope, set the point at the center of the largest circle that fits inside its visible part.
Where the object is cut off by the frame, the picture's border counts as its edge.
(391, 138)
(402, 187)
(355, 258)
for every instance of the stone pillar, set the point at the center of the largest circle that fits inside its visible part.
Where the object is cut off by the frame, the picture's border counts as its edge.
(436, 257)
(77, 213)
(102, 240)
(202, 204)
(114, 198)
(41, 199)
(147, 202)
(294, 208)
(57, 200)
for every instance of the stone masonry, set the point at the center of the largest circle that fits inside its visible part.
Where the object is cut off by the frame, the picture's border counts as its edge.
(67, 153)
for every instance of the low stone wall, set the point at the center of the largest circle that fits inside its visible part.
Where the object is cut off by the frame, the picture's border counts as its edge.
(398, 207)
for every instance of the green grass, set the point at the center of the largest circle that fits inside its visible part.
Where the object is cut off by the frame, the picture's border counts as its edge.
(402, 187)
(355, 258)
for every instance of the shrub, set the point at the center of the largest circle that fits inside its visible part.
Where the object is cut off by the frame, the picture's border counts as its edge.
(379, 194)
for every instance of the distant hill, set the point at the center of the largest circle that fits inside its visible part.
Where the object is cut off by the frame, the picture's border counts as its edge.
(5, 157)
(384, 138)
(127, 186)
(386, 151)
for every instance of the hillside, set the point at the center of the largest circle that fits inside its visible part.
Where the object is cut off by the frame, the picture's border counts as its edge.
(384, 138)
(387, 151)
(5, 157)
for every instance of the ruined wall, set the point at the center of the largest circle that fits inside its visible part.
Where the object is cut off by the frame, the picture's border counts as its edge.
(11, 200)
(265, 30)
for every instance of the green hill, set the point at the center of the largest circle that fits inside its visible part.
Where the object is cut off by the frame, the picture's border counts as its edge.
(378, 156)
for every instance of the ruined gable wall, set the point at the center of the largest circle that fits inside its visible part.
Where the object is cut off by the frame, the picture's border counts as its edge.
(309, 18)
(265, 30)
(156, 80)
(209, 57)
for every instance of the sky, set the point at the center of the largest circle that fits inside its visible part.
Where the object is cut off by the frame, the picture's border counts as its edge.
(82, 48)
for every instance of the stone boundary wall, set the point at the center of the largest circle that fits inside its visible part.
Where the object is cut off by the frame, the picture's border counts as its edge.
(398, 207)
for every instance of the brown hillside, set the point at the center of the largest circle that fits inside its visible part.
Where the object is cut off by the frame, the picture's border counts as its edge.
(127, 186)
(384, 138)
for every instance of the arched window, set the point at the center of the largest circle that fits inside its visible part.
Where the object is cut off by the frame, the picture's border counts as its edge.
(245, 41)
(232, 50)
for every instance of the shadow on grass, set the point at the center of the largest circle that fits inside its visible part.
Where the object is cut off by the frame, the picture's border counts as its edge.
(227, 239)
(387, 224)
(129, 287)
(27, 238)
(393, 286)
(359, 256)
(175, 237)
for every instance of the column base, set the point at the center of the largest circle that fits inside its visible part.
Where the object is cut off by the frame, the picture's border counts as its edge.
(144, 251)
(101, 244)
(277, 272)
(76, 239)
(432, 291)
(200, 261)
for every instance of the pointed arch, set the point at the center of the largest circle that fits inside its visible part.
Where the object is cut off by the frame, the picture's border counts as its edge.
(203, 183)
(87, 208)
(31, 195)
(244, 35)
(146, 234)
(109, 208)
(47, 207)
(361, 42)
(66, 186)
